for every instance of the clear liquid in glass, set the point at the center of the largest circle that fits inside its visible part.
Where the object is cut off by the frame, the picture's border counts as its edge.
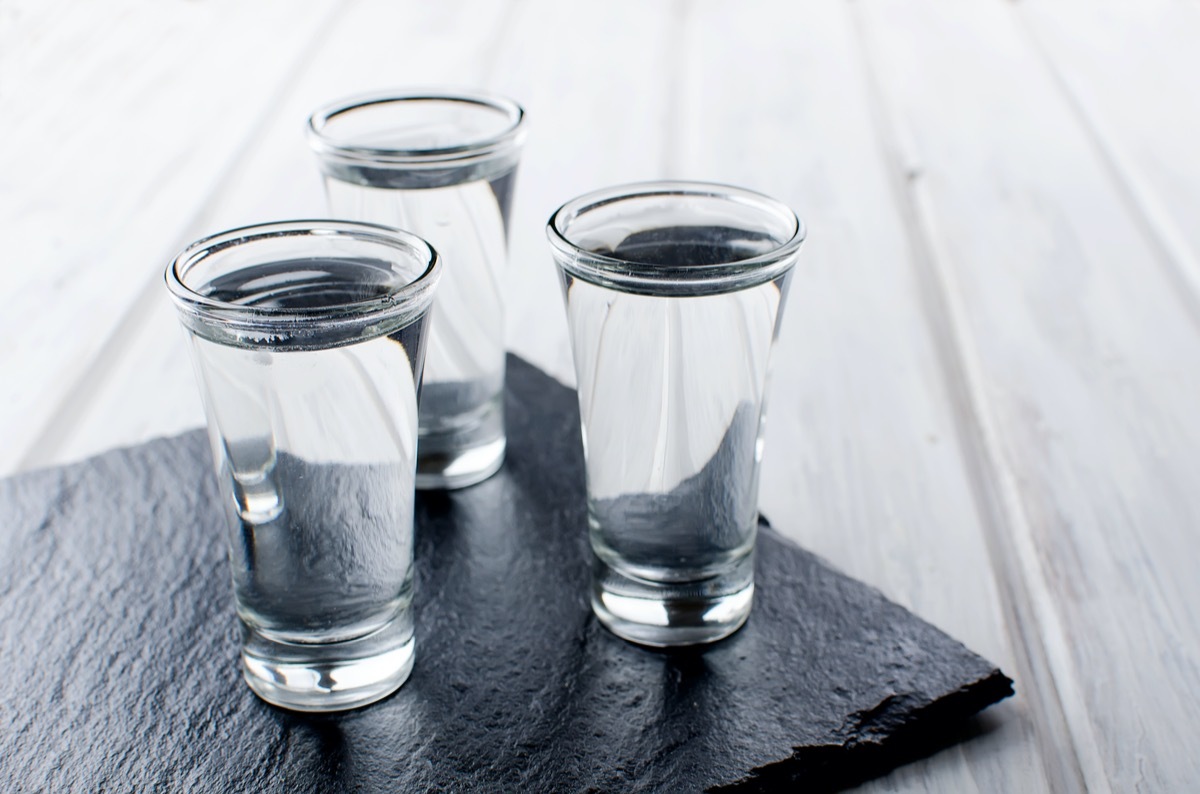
(315, 450)
(671, 389)
(463, 212)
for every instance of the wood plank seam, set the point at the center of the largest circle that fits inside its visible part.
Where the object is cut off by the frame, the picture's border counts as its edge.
(64, 420)
(1175, 256)
(1044, 677)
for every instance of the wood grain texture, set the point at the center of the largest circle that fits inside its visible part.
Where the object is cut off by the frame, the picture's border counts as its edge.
(116, 120)
(1128, 71)
(594, 119)
(146, 388)
(1079, 361)
(595, 80)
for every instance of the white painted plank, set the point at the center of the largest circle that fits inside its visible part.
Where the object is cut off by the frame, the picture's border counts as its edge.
(1080, 361)
(530, 53)
(117, 117)
(864, 462)
(1129, 72)
(146, 388)
(595, 80)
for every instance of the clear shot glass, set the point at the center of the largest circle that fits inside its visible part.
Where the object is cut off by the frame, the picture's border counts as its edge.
(441, 165)
(674, 293)
(308, 340)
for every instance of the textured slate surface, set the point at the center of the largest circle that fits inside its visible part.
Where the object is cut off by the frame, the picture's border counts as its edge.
(118, 646)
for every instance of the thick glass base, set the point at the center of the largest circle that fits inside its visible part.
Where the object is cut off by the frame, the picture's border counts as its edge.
(458, 469)
(331, 676)
(670, 614)
(456, 457)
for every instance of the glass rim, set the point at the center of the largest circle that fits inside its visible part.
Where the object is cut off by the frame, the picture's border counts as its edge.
(648, 278)
(496, 144)
(407, 300)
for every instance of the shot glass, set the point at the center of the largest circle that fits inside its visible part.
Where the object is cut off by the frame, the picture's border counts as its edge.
(308, 340)
(674, 292)
(441, 165)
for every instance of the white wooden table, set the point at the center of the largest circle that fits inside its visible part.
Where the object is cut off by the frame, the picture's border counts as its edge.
(986, 391)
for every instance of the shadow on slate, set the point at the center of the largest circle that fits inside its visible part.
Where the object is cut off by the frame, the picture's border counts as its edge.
(119, 650)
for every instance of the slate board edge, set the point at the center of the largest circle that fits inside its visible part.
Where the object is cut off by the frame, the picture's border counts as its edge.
(911, 738)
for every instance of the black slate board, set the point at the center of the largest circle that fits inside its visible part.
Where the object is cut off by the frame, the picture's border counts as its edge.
(119, 650)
